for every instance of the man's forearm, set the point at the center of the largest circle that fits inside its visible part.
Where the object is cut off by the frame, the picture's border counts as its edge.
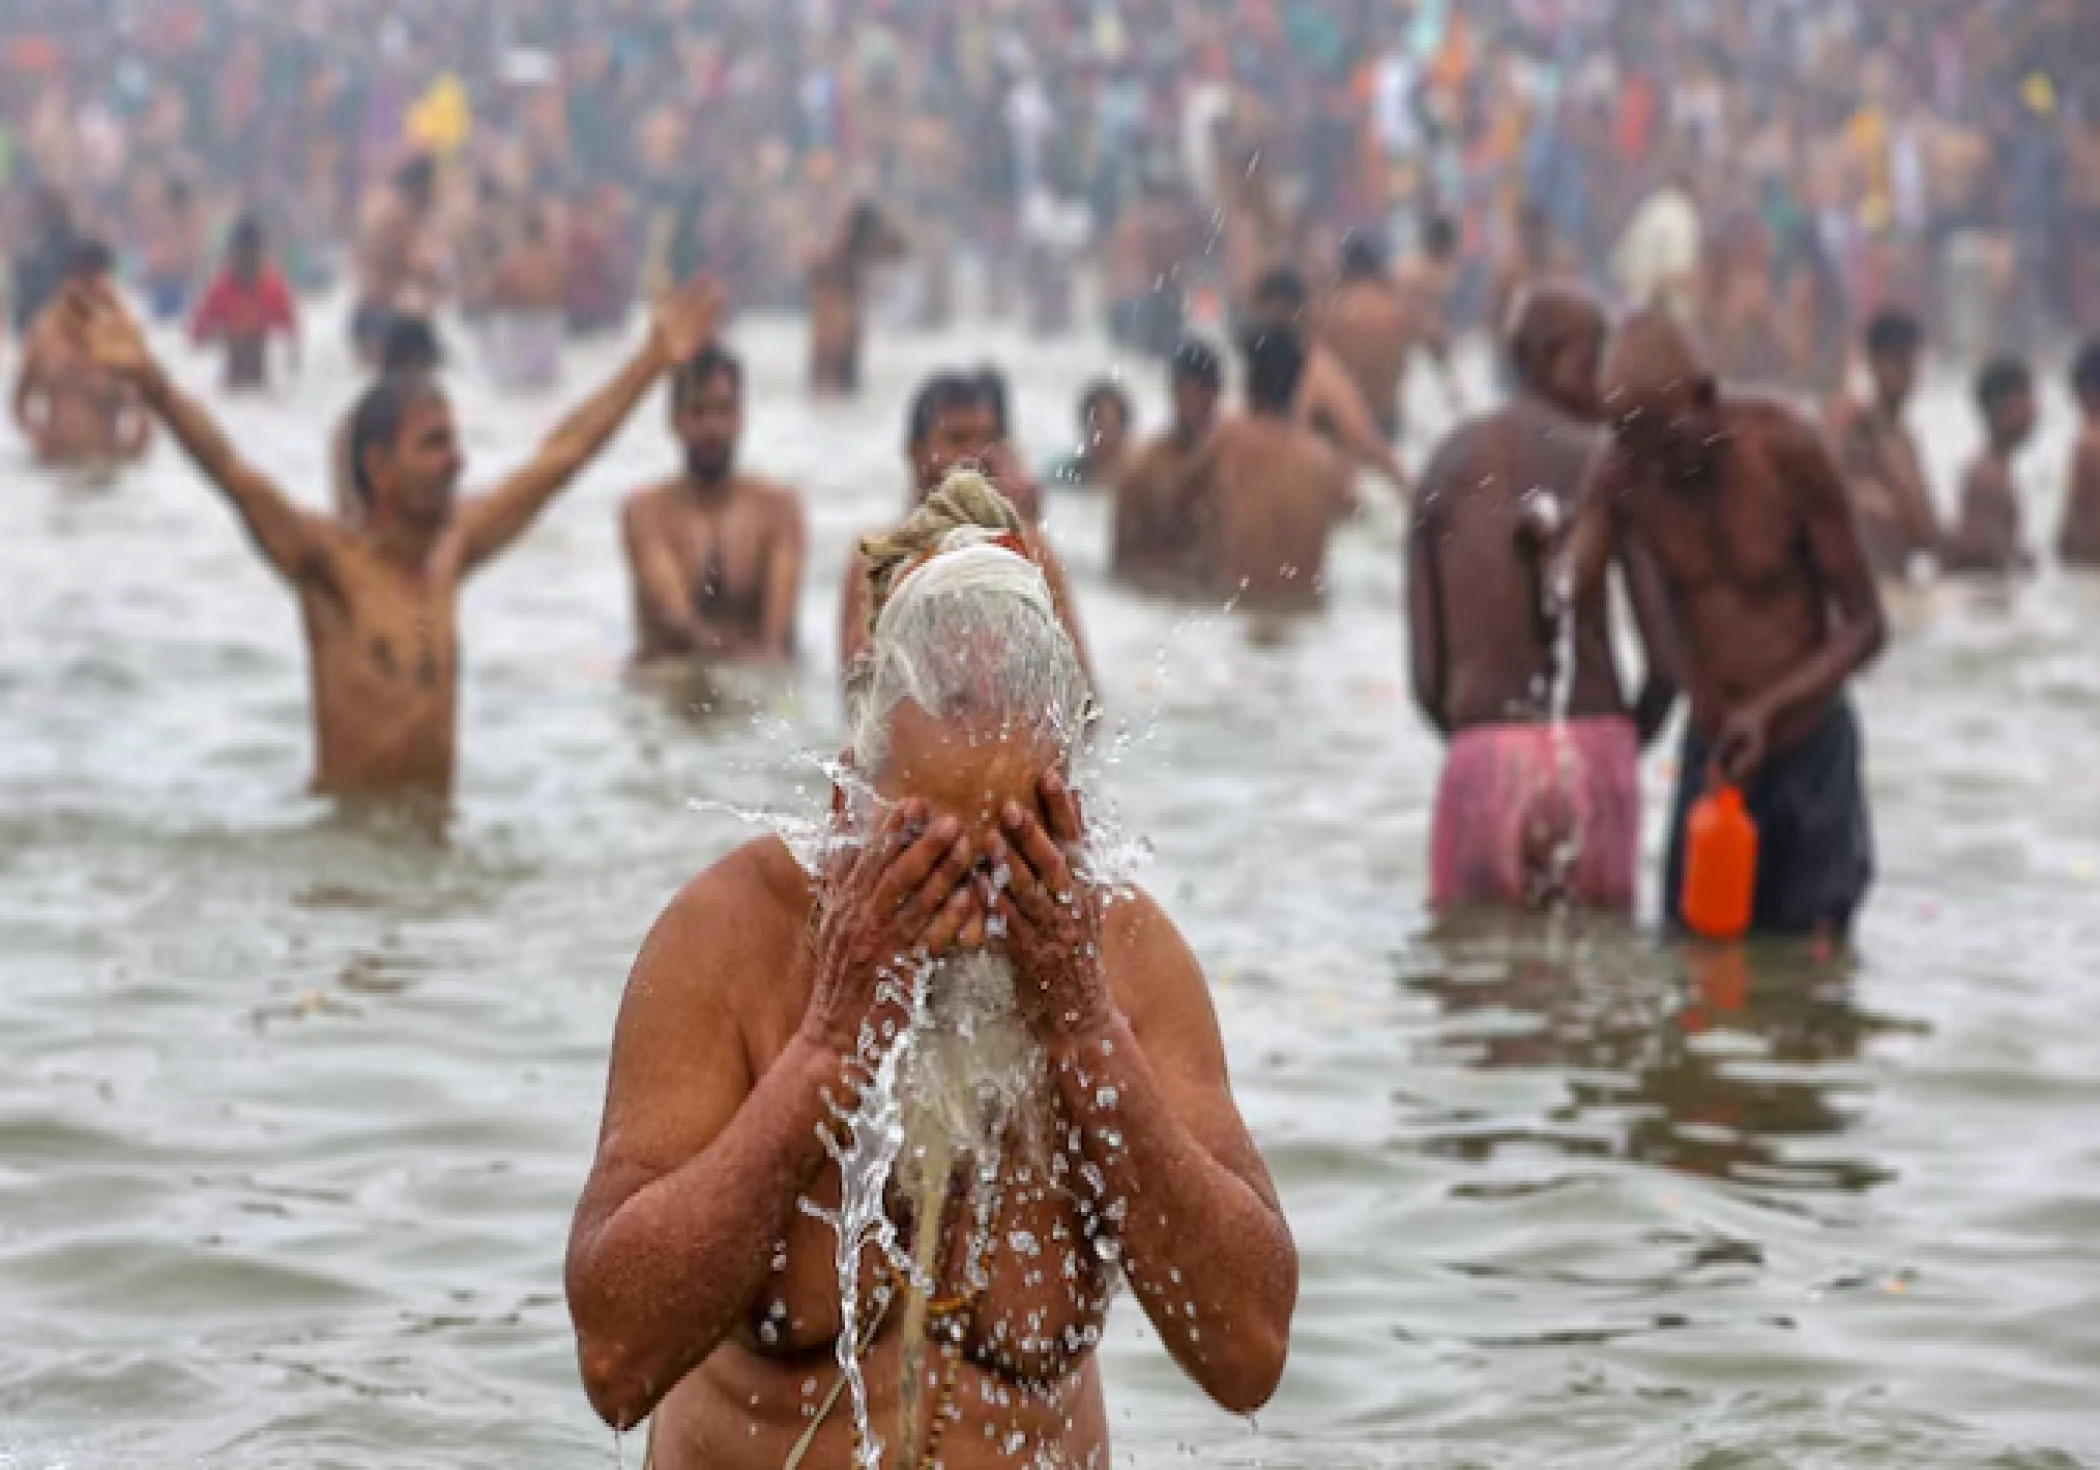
(657, 1284)
(1209, 1257)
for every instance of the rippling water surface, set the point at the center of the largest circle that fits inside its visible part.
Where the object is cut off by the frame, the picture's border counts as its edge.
(294, 1106)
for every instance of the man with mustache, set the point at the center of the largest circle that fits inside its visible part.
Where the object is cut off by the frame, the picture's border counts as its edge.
(1066, 1113)
(716, 554)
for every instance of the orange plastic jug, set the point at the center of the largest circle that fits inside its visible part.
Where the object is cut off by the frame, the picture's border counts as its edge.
(1720, 867)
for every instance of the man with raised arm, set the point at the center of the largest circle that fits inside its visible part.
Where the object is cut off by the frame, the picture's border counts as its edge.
(380, 599)
(1061, 1106)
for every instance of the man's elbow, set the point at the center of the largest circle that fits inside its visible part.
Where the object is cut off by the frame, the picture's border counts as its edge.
(616, 1378)
(1243, 1378)
(613, 1382)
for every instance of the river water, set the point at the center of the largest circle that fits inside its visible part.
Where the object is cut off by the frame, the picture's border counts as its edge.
(294, 1107)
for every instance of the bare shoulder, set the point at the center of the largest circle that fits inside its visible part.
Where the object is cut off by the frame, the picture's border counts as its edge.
(745, 908)
(1155, 975)
(1776, 420)
(780, 500)
(1451, 461)
(1795, 442)
(1152, 460)
(648, 502)
(1986, 477)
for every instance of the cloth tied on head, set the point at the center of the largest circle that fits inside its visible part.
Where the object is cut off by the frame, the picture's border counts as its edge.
(970, 559)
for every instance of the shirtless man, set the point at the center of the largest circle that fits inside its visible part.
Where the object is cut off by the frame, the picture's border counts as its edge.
(715, 555)
(1268, 491)
(1530, 812)
(246, 305)
(1157, 539)
(1371, 327)
(1327, 398)
(72, 411)
(399, 272)
(1878, 455)
(1062, 1094)
(956, 419)
(2079, 542)
(1773, 608)
(380, 600)
(1986, 540)
(838, 279)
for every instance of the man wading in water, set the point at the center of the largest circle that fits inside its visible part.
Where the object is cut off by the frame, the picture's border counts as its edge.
(1773, 609)
(716, 554)
(380, 600)
(1066, 1112)
(1529, 812)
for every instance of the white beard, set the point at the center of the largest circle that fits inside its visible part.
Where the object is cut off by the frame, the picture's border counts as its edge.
(975, 1077)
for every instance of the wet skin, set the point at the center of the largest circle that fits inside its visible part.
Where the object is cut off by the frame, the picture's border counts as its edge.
(716, 557)
(1482, 642)
(1740, 508)
(699, 1288)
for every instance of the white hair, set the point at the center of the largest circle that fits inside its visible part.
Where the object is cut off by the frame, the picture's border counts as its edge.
(965, 627)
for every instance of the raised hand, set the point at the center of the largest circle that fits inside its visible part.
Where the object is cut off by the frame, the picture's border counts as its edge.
(898, 901)
(98, 326)
(1052, 917)
(687, 319)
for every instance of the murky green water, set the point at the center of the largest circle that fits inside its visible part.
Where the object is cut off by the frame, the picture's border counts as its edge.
(293, 1108)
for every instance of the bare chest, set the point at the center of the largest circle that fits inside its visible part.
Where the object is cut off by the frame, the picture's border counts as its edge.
(384, 642)
(1741, 536)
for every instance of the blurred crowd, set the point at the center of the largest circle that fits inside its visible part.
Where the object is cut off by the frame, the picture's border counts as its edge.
(1783, 167)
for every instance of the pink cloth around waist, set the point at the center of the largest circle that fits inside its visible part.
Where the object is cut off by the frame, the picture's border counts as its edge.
(1531, 815)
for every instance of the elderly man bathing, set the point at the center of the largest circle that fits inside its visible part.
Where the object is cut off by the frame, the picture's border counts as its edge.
(1066, 1112)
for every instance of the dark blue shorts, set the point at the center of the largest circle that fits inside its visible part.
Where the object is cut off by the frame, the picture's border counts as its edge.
(1815, 839)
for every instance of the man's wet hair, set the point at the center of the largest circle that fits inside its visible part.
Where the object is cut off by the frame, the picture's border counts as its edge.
(1275, 358)
(1363, 257)
(1102, 392)
(246, 236)
(1893, 332)
(90, 258)
(410, 346)
(2085, 372)
(996, 394)
(1283, 289)
(938, 395)
(693, 374)
(1196, 361)
(2002, 379)
(377, 419)
(1440, 237)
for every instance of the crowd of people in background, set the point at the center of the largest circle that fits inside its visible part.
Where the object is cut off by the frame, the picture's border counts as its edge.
(1783, 169)
(1794, 196)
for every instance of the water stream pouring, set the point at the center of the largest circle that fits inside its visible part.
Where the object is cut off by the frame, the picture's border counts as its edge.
(1541, 510)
